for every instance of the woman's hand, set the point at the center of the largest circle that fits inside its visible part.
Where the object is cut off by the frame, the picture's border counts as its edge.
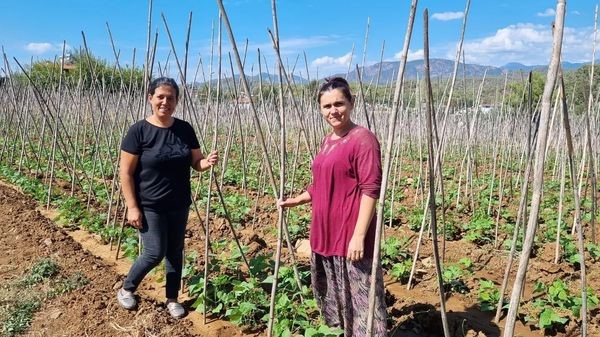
(134, 217)
(201, 163)
(289, 202)
(293, 202)
(356, 248)
(211, 160)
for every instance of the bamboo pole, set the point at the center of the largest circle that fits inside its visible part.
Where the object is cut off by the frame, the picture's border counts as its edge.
(560, 210)
(147, 62)
(387, 163)
(538, 171)
(184, 77)
(242, 75)
(438, 159)
(212, 173)
(432, 206)
(577, 219)
(370, 124)
(282, 160)
(55, 131)
(282, 227)
(350, 62)
(591, 163)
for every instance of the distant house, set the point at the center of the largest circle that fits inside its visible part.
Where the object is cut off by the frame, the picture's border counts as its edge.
(68, 67)
(483, 108)
(486, 108)
(68, 63)
(243, 99)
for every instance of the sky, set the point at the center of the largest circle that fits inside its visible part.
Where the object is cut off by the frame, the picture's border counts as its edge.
(325, 37)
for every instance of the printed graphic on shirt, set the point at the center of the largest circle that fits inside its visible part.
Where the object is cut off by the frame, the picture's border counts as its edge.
(172, 150)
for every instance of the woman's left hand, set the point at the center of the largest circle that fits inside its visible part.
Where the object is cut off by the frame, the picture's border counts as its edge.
(212, 158)
(356, 248)
(201, 163)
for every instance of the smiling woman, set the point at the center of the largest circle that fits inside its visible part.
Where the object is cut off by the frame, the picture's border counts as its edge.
(345, 186)
(163, 101)
(156, 156)
(336, 105)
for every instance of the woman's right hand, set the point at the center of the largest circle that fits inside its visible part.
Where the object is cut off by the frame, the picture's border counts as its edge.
(134, 217)
(289, 202)
(293, 202)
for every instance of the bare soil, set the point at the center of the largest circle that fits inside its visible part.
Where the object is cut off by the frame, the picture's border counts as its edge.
(27, 235)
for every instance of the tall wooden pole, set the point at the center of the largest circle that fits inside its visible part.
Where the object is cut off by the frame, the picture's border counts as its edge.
(538, 170)
(387, 163)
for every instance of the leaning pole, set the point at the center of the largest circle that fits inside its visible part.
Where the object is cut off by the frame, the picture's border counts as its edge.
(538, 169)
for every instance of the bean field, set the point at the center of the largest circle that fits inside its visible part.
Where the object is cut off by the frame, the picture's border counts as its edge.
(487, 216)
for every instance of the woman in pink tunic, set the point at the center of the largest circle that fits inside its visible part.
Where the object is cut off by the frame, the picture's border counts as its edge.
(345, 187)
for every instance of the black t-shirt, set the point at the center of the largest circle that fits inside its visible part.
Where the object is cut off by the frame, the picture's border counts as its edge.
(162, 175)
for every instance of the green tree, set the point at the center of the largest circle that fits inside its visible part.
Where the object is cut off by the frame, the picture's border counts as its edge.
(518, 91)
(577, 86)
(85, 70)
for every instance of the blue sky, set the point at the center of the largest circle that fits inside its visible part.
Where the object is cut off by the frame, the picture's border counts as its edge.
(498, 31)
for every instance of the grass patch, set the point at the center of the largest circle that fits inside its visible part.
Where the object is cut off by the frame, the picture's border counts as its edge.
(22, 298)
(41, 270)
(20, 316)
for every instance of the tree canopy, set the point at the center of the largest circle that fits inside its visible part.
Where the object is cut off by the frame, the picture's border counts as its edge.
(85, 71)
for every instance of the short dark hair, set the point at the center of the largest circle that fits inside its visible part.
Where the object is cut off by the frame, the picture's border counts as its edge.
(335, 83)
(166, 81)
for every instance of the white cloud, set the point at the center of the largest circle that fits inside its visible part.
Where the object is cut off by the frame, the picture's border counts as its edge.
(577, 44)
(39, 47)
(547, 12)
(527, 43)
(576, 13)
(328, 65)
(515, 43)
(412, 55)
(447, 16)
(328, 61)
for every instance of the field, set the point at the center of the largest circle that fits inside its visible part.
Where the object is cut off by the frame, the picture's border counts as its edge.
(474, 260)
(488, 214)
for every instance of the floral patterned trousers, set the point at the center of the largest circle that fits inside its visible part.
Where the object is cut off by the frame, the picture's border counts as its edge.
(341, 288)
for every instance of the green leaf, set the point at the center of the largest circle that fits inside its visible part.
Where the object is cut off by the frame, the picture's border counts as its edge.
(549, 317)
(311, 332)
(286, 333)
(539, 287)
(199, 304)
(218, 308)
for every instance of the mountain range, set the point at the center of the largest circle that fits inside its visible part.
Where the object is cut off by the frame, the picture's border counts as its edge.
(385, 72)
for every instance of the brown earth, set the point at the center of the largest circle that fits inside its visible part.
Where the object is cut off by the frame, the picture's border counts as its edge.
(26, 236)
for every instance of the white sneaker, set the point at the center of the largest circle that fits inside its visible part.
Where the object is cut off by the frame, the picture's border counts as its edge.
(126, 299)
(176, 310)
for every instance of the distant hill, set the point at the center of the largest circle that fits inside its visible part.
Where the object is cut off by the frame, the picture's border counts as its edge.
(442, 68)
(437, 67)
(266, 79)
(387, 71)
(515, 66)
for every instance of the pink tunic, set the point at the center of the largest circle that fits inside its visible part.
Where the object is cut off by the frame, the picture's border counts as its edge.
(343, 170)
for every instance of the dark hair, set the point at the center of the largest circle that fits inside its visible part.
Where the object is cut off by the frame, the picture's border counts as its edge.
(335, 83)
(166, 81)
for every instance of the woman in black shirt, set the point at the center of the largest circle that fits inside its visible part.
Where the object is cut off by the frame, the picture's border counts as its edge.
(156, 156)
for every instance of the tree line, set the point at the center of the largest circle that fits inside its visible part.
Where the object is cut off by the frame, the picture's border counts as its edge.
(85, 70)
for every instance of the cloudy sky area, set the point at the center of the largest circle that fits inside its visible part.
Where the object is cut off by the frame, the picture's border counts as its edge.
(327, 37)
